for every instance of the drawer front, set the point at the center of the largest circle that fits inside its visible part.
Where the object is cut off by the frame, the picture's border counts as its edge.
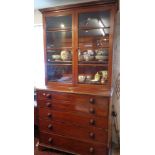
(91, 100)
(41, 95)
(75, 107)
(79, 105)
(50, 95)
(73, 118)
(73, 98)
(89, 133)
(72, 145)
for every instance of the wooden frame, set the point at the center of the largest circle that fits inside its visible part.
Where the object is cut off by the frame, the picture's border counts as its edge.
(74, 11)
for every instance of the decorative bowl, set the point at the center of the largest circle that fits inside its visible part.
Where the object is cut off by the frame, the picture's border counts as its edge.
(90, 52)
(88, 77)
(88, 57)
(65, 55)
(102, 52)
(81, 78)
(56, 57)
(101, 57)
(80, 57)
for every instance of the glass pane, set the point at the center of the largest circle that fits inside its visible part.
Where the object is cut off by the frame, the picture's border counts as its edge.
(95, 19)
(93, 33)
(59, 49)
(93, 38)
(59, 39)
(93, 46)
(92, 74)
(59, 22)
(59, 65)
(93, 66)
(59, 73)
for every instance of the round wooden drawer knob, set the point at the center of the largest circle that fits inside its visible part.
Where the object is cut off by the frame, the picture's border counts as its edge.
(49, 115)
(92, 121)
(91, 149)
(49, 96)
(50, 126)
(92, 135)
(92, 110)
(48, 104)
(50, 140)
(92, 100)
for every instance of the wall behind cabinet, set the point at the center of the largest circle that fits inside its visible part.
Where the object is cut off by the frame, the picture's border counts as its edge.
(37, 17)
(39, 77)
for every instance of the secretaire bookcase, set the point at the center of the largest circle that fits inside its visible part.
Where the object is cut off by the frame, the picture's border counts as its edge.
(74, 107)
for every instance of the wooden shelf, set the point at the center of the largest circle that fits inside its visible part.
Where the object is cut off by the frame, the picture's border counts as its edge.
(93, 47)
(61, 48)
(59, 64)
(95, 37)
(58, 29)
(93, 65)
(59, 61)
(86, 41)
(60, 81)
(67, 63)
(64, 41)
(95, 83)
(91, 28)
(93, 62)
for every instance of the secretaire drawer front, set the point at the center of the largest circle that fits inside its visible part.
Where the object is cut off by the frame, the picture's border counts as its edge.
(72, 145)
(91, 99)
(59, 96)
(79, 98)
(89, 133)
(74, 98)
(73, 118)
(50, 95)
(41, 95)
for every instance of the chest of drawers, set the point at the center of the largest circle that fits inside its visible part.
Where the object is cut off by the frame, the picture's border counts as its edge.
(74, 123)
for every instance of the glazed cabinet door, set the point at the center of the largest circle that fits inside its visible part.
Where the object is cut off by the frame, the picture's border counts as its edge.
(58, 48)
(93, 47)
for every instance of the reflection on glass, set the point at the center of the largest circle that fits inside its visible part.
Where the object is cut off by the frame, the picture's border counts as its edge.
(95, 19)
(59, 39)
(93, 42)
(94, 29)
(93, 38)
(93, 33)
(59, 73)
(58, 22)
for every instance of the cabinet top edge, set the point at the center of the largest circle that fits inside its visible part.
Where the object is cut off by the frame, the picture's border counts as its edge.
(72, 6)
(77, 90)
